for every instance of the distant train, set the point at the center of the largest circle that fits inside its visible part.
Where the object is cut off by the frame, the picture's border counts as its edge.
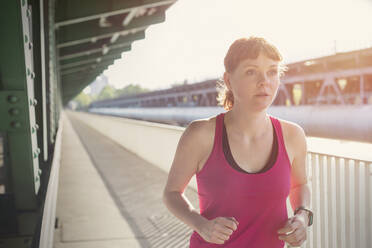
(348, 122)
(343, 78)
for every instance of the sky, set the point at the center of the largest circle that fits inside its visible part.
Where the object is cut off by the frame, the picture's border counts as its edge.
(192, 42)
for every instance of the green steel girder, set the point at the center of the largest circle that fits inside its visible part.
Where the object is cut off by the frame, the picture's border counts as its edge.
(127, 40)
(76, 76)
(90, 62)
(102, 50)
(67, 96)
(95, 55)
(79, 76)
(73, 11)
(86, 31)
(79, 85)
(67, 62)
(17, 79)
(98, 52)
(86, 68)
(18, 124)
(75, 86)
(70, 85)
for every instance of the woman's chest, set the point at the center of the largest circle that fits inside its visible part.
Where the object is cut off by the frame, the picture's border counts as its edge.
(222, 181)
(251, 157)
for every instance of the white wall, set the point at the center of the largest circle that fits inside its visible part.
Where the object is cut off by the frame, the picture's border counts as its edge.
(153, 142)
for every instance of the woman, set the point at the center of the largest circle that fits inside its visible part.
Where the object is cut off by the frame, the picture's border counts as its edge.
(246, 162)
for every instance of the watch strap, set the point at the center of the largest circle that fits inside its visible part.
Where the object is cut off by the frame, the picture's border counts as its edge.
(310, 214)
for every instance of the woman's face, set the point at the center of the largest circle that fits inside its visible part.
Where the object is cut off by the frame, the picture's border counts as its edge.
(254, 82)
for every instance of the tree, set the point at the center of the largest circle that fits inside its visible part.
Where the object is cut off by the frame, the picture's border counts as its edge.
(83, 100)
(107, 92)
(130, 89)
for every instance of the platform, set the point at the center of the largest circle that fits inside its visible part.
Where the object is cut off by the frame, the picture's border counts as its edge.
(109, 197)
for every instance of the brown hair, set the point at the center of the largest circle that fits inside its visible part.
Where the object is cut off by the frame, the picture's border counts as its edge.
(239, 50)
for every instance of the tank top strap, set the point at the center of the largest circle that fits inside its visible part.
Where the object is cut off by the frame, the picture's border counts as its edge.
(218, 131)
(281, 148)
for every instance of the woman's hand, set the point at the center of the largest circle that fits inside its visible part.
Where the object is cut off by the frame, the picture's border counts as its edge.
(217, 230)
(294, 231)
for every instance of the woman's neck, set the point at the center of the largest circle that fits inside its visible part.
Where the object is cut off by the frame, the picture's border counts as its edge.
(251, 125)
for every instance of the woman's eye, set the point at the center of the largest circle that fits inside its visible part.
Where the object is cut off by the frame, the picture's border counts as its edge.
(250, 72)
(273, 72)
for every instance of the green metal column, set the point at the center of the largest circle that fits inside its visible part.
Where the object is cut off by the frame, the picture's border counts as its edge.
(18, 126)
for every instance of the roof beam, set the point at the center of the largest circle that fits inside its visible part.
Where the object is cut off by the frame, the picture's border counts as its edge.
(87, 68)
(112, 52)
(79, 82)
(90, 61)
(103, 50)
(85, 32)
(75, 77)
(106, 8)
(128, 39)
(88, 31)
(109, 35)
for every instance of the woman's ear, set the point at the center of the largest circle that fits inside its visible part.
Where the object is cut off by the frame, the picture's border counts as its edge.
(226, 79)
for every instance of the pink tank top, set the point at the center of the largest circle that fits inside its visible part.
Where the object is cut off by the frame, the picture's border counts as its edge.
(257, 200)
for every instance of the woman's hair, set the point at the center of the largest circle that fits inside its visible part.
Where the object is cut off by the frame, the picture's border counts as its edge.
(241, 49)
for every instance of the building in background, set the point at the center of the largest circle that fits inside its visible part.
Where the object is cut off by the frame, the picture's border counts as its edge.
(97, 86)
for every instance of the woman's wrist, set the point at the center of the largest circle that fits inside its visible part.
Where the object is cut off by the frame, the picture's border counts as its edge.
(303, 215)
(197, 221)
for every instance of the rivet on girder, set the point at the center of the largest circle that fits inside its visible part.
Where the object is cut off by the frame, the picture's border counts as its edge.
(14, 111)
(31, 102)
(28, 72)
(39, 172)
(30, 45)
(16, 124)
(34, 102)
(26, 38)
(37, 178)
(36, 154)
(35, 128)
(38, 150)
(23, 2)
(32, 75)
(29, 12)
(12, 99)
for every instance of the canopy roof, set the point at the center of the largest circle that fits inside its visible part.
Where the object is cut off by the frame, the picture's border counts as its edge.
(91, 34)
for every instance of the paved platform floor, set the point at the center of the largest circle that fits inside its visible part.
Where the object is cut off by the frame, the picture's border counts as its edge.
(109, 197)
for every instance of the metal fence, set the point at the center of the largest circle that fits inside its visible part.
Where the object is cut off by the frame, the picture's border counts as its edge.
(341, 202)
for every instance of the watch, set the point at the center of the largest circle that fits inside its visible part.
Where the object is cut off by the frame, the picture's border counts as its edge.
(310, 214)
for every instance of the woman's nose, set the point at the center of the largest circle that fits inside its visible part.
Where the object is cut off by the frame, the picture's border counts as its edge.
(261, 78)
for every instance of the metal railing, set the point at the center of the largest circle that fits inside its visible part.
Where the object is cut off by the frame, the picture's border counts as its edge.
(341, 198)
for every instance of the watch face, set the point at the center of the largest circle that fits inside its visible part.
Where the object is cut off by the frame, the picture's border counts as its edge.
(310, 218)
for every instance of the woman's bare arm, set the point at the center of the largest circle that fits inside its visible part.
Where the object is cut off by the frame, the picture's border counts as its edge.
(195, 143)
(300, 192)
(184, 166)
(294, 231)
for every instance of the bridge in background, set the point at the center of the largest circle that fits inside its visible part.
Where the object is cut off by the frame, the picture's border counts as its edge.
(343, 79)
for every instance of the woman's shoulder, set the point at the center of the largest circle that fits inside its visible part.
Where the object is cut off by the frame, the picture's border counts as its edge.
(198, 138)
(291, 129)
(202, 128)
(294, 137)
